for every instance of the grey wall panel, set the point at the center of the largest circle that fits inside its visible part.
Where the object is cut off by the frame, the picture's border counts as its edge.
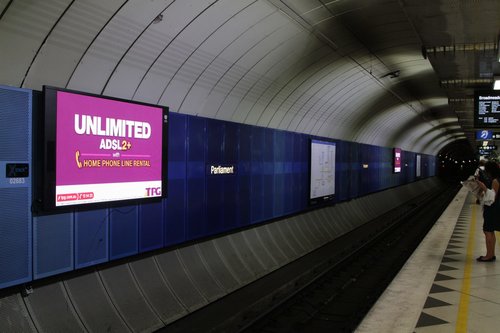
(321, 221)
(371, 204)
(354, 214)
(344, 219)
(51, 310)
(299, 239)
(328, 221)
(156, 290)
(299, 242)
(349, 220)
(359, 211)
(232, 259)
(128, 299)
(307, 224)
(217, 266)
(364, 207)
(331, 224)
(281, 242)
(14, 316)
(173, 271)
(269, 243)
(325, 227)
(262, 253)
(296, 247)
(247, 255)
(93, 305)
(199, 274)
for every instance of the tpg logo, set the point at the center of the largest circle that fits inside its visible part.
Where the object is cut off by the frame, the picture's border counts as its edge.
(153, 191)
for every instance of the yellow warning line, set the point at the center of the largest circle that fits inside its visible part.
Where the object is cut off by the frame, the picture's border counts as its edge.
(463, 308)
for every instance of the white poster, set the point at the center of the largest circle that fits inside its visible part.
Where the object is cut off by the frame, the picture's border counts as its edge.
(322, 169)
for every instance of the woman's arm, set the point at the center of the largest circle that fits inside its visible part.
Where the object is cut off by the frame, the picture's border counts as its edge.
(495, 185)
(482, 186)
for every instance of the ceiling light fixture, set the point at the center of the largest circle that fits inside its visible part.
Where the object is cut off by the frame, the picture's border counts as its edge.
(496, 83)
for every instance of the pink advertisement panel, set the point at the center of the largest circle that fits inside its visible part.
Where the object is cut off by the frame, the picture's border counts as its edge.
(397, 160)
(105, 141)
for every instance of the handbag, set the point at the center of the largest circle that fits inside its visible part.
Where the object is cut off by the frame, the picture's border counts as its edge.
(489, 197)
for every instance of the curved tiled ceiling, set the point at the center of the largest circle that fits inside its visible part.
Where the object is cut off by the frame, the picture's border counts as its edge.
(350, 70)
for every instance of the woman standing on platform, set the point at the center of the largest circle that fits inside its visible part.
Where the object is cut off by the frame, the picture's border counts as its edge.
(491, 210)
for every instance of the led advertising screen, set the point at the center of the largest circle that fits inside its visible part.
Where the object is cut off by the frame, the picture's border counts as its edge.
(397, 160)
(105, 149)
(487, 109)
(322, 175)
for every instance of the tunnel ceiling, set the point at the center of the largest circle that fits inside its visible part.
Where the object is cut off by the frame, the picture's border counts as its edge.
(386, 72)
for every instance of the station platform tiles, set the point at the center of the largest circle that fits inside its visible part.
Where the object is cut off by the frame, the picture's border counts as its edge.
(442, 288)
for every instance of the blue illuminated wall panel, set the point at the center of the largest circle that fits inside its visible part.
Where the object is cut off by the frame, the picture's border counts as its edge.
(268, 173)
(257, 158)
(279, 189)
(215, 184)
(342, 171)
(230, 182)
(53, 244)
(196, 217)
(123, 232)
(15, 192)
(15, 231)
(243, 197)
(175, 205)
(151, 224)
(300, 169)
(91, 237)
(356, 169)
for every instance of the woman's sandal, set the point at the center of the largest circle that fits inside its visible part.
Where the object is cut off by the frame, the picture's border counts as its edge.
(483, 259)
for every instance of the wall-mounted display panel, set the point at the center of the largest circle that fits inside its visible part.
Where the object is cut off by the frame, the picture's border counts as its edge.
(99, 149)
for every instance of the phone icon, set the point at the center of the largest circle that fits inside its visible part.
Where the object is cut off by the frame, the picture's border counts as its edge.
(77, 158)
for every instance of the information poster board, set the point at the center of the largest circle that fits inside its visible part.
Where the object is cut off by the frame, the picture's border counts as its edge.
(322, 175)
(487, 109)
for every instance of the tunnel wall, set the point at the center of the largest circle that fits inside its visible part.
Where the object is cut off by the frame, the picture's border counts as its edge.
(272, 181)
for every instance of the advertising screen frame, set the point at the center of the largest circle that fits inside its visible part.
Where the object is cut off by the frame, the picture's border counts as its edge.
(49, 134)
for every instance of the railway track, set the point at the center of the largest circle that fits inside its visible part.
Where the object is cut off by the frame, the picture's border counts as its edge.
(339, 298)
